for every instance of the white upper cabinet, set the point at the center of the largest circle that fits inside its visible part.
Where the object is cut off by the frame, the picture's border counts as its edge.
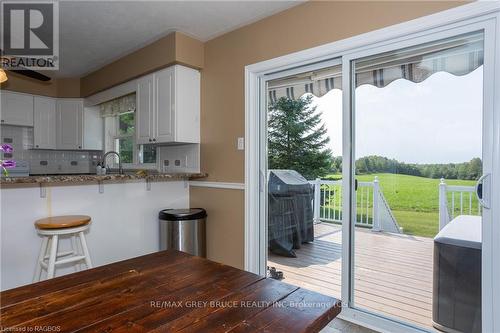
(69, 123)
(93, 128)
(168, 106)
(17, 108)
(145, 110)
(186, 105)
(44, 123)
(164, 98)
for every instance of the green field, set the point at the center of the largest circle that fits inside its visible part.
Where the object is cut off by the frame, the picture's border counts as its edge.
(414, 201)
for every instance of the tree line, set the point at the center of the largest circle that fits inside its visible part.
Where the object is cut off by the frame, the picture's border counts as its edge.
(471, 170)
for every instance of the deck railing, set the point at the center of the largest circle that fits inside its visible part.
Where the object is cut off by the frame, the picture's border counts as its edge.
(456, 200)
(372, 210)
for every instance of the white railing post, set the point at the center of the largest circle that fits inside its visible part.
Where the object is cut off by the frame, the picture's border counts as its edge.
(443, 205)
(376, 199)
(317, 200)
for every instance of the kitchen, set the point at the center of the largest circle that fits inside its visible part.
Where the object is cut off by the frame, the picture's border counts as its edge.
(58, 146)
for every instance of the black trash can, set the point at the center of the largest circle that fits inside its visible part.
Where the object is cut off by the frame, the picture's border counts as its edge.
(183, 230)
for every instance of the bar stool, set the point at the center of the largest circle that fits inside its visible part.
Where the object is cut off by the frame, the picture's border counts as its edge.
(51, 228)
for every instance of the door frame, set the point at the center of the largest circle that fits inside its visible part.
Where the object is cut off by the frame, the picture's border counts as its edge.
(255, 159)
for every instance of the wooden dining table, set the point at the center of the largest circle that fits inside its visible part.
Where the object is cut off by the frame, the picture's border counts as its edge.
(168, 291)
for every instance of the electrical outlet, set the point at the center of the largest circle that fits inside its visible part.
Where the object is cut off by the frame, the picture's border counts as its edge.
(241, 143)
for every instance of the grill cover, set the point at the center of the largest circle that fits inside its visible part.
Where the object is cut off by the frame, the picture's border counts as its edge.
(456, 303)
(290, 211)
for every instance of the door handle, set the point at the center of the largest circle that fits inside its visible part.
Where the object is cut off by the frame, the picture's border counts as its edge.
(355, 184)
(479, 190)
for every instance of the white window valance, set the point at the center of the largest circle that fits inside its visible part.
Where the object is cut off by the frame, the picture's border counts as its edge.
(460, 55)
(118, 106)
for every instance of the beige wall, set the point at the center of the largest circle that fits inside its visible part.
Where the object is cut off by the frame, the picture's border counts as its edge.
(52, 88)
(224, 228)
(222, 115)
(173, 48)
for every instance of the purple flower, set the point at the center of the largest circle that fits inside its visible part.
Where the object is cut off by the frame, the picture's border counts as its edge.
(6, 148)
(8, 164)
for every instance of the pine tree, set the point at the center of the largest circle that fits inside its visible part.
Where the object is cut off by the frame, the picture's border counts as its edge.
(297, 139)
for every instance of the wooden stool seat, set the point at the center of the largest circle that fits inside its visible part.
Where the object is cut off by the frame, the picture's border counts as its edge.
(59, 222)
(52, 230)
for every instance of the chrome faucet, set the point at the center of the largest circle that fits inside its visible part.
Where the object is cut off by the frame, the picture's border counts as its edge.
(120, 169)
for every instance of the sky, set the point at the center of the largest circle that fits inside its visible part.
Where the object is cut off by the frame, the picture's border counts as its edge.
(438, 120)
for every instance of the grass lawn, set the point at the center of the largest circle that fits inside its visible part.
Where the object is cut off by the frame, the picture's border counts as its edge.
(414, 201)
(418, 223)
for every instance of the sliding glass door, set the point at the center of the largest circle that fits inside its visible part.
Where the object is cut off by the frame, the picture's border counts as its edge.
(376, 178)
(420, 173)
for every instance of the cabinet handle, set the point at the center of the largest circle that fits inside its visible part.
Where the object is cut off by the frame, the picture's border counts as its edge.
(37, 146)
(154, 140)
(79, 147)
(150, 140)
(3, 121)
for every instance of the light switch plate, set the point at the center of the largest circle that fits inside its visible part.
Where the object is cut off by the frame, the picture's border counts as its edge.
(241, 143)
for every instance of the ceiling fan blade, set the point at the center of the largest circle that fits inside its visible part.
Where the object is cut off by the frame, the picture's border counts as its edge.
(31, 74)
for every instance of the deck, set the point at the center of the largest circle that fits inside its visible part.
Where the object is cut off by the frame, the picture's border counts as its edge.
(393, 273)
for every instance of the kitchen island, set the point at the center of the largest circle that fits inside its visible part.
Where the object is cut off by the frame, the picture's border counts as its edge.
(124, 211)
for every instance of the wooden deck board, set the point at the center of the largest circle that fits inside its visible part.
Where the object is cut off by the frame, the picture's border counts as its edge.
(393, 273)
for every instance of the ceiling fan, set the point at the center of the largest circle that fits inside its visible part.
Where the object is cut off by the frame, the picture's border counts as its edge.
(29, 72)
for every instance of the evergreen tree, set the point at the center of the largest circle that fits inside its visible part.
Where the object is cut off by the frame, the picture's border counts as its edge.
(297, 138)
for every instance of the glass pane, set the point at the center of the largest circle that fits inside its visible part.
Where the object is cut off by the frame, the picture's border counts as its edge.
(304, 186)
(147, 154)
(126, 123)
(418, 149)
(125, 147)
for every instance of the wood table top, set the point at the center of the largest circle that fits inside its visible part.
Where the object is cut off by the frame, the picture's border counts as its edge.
(166, 291)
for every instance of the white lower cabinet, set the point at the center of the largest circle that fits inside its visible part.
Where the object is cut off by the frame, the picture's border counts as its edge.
(44, 131)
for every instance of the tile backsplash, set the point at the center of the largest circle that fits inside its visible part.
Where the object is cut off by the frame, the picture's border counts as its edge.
(46, 161)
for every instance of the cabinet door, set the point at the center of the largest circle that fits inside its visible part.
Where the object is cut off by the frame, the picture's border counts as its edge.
(165, 105)
(69, 124)
(17, 109)
(187, 105)
(44, 123)
(93, 128)
(145, 110)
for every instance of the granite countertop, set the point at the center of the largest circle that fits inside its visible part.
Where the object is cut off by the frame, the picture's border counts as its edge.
(99, 178)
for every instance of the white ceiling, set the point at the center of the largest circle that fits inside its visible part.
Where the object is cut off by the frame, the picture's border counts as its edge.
(95, 33)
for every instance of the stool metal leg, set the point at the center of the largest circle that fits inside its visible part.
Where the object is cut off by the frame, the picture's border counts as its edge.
(52, 256)
(85, 250)
(41, 255)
